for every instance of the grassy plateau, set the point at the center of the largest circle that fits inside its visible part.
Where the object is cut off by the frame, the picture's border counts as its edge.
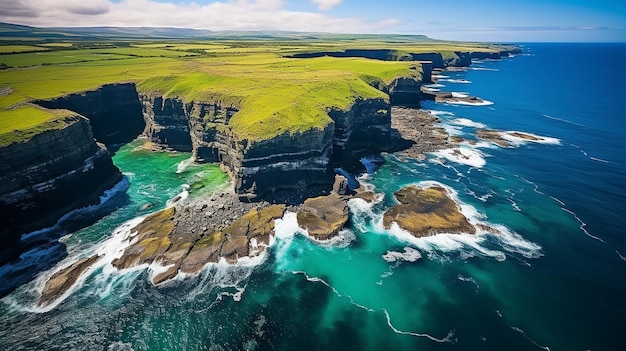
(252, 72)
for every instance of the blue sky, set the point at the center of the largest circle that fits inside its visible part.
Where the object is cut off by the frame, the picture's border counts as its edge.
(481, 20)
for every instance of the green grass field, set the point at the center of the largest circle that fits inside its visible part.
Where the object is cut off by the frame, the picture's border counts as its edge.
(274, 93)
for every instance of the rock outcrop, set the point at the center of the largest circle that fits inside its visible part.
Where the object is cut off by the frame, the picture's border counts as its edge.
(505, 139)
(426, 212)
(165, 238)
(323, 216)
(45, 176)
(113, 110)
(63, 280)
(415, 132)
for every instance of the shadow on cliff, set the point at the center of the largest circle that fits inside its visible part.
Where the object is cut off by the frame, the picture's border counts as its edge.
(41, 250)
(113, 110)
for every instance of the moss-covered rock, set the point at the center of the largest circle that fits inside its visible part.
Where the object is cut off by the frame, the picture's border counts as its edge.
(425, 212)
(158, 241)
(323, 216)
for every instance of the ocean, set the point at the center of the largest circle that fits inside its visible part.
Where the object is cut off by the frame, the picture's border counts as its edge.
(553, 279)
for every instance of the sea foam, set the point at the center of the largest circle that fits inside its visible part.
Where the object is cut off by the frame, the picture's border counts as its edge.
(469, 245)
(466, 122)
(462, 155)
(516, 141)
(408, 255)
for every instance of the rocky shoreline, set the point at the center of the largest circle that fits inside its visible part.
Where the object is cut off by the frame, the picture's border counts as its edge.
(190, 234)
(419, 131)
(228, 226)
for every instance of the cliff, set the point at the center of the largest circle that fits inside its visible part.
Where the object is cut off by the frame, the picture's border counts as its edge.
(113, 110)
(289, 161)
(45, 176)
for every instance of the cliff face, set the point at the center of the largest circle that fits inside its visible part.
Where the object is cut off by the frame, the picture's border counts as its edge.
(362, 130)
(113, 110)
(434, 57)
(406, 92)
(50, 174)
(167, 122)
(462, 59)
(285, 162)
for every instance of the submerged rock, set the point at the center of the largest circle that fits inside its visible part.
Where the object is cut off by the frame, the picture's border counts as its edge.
(426, 212)
(63, 280)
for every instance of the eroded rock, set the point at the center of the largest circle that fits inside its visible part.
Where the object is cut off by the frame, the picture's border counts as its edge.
(165, 238)
(63, 280)
(426, 212)
(323, 216)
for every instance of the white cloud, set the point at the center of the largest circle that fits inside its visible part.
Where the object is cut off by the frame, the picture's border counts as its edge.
(217, 15)
(326, 4)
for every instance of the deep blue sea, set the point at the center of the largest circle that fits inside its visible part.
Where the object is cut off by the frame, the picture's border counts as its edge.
(553, 279)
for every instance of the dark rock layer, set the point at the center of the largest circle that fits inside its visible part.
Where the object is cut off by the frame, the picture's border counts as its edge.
(48, 175)
(113, 110)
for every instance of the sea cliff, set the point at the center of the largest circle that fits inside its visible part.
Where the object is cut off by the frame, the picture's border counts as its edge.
(45, 176)
(292, 160)
(113, 110)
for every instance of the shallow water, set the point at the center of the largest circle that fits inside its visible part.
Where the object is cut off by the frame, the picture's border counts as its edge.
(554, 279)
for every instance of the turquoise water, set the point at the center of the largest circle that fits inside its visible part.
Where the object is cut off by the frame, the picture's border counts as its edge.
(554, 279)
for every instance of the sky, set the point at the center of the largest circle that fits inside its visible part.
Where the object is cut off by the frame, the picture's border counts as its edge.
(471, 20)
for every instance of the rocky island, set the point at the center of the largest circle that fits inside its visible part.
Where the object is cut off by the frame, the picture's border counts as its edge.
(426, 212)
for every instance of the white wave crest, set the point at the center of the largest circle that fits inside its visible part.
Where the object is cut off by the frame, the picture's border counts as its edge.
(457, 81)
(180, 197)
(104, 199)
(466, 122)
(484, 69)
(469, 103)
(463, 155)
(183, 165)
(510, 136)
(440, 113)
(459, 94)
(110, 249)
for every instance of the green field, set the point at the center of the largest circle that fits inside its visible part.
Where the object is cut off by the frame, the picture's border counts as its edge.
(273, 92)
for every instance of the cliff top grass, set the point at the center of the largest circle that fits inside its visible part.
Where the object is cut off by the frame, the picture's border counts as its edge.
(22, 123)
(274, 93)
